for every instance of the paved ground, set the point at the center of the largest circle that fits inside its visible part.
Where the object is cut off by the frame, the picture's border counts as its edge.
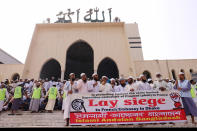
(56, 120)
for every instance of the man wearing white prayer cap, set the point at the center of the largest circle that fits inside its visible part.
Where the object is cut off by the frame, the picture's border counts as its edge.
(122, 86)
(143, 84)
(82, 84)
(113, 85)
(130, 84)
(150, 81)
(159, 83)
(69, 88)
(104, 86)
(93, 85)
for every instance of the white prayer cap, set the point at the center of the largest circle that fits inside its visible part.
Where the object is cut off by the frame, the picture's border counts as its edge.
(130, 77)
(104, 77)
(181, 73)
(158, 73)
(71, 74)
(149, 80)
(112, 79)
(94, 74)
(141, 76)
(82, 74)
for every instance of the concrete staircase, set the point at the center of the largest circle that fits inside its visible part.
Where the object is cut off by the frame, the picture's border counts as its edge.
(55, 119)
(28, 119)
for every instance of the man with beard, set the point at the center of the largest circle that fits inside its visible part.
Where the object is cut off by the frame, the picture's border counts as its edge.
(122, 86)
(113, 85)
(104, 86)
(82, 84)
(143, 84)
(130, 87)
(69, 89)
(160, 84)
(93, 85)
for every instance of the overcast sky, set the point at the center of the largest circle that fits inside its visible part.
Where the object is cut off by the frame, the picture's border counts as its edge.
(168, 28)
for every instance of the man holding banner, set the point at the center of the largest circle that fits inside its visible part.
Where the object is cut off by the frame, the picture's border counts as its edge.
(184, 87)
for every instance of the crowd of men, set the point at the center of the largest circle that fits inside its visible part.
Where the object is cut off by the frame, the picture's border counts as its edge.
(48, 95)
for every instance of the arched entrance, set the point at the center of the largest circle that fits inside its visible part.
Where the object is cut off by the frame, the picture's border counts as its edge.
(51, 68)
(16, 76)
(79, 59)
(108, 67)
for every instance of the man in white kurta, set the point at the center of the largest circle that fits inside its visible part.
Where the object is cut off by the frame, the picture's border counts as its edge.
(82, 84)
(104, 86)
(93, 85)
(131, 86)
(69, 89)
(143, 85)
(159, 83)
(46, 85)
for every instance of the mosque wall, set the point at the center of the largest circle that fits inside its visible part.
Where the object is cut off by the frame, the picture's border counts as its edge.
(53, 40)
(166, 67)
(7, 71)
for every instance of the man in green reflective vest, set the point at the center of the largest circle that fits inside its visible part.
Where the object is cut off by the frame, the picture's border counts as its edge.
(193, 90)
(3, 96)
(35, 99)
(17, 98)
(52, 96)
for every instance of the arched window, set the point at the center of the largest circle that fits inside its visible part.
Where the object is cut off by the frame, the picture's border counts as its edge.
(51, 68)
(182, 71)
(174, 75)
(108, 67)
(191, 71)
(147, 74)
(15, 76)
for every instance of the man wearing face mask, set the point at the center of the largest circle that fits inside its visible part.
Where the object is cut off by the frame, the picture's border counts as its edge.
(82, 84)
(159, 83)
(93, 85)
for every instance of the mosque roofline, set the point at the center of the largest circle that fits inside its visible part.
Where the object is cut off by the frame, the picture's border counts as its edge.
(10, 56)
(82, 24)
(165, 60)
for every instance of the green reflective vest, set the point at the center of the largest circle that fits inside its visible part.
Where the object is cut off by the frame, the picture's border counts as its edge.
(2, 94)
(36, 93)
(52, 93)
(193, 91)
(64, 95)
(18, 92)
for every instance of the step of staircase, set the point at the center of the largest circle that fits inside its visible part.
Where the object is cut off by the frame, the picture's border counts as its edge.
(55, 119)
(27, 119)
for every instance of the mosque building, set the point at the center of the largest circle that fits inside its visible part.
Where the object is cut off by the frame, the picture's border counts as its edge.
(113, 49)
